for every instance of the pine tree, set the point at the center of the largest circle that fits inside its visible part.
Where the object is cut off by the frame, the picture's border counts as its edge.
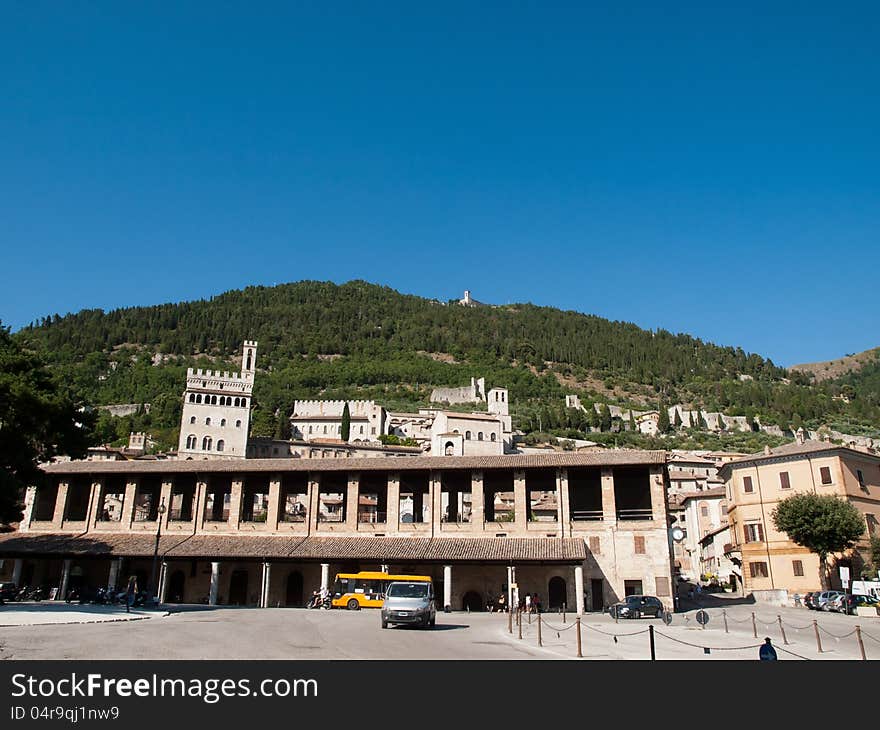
(605, 417)
(677, 420)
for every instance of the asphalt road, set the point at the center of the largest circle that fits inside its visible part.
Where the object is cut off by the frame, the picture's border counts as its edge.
(247, 633)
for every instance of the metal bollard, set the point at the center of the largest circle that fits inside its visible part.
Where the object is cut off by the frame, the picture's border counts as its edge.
(563, 613)
(861, 645)
(510, 621)
(818, 640)
(651, 637)
(754, 626)
(578, 632)
(519, 624)
(540, 643)
(724, 615)
(781, 629)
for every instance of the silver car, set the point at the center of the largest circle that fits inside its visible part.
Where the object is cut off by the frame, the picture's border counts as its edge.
(409, 603)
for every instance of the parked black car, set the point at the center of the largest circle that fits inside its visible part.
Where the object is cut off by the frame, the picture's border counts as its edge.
(637, 606)
(848, 603)
(8, 592)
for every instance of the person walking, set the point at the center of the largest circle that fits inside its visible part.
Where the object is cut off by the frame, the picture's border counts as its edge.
(767, 653)
(528, 603)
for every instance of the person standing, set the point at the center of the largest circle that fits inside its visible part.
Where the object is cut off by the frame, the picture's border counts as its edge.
(767, 653)
(528, 603)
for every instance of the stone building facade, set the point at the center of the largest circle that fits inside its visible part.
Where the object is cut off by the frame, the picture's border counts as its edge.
(216, 410)
(771, 563)
(269, 531)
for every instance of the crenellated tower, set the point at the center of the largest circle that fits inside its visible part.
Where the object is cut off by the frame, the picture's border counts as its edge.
(216, 410)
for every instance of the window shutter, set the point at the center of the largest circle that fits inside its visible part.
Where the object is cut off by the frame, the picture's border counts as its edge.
(639, 545)
(784, 481)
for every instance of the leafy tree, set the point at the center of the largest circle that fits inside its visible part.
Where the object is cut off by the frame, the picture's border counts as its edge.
(824, 524)
(676, 421)
(345, 426)
(38, 421)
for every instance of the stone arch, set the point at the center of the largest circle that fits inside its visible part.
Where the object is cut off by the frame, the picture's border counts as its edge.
(294, 590)
(176, 586)
(238, 585)
(449, 449)
(472, 601)
(556, 593)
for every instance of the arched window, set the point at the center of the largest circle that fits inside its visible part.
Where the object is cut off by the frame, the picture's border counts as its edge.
(480, 436)
(325, 428)
(191, 441)
(248, 367)
(238, 424)
(192, 419)
(455, 431)
(450, 448)
(220, 445)
(492, 437)
(310, 429)
(222, 422)
(192, 397)
(206, 443)
(213, 400)
(199, 398)
(236, 402)
(362, 429)
(208, 421)
(467, 435)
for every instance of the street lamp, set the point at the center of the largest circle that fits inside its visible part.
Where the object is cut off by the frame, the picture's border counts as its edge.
(161, 511)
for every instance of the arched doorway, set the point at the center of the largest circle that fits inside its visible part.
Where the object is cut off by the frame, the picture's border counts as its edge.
(472, 602)
(238, 584)
(556, 593)
(174, 591)
(294, 595)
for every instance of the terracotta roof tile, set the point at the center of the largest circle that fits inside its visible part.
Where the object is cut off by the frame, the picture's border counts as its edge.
(511, 461)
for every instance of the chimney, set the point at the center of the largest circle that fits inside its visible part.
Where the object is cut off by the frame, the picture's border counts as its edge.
(800, 436)
(767, 450)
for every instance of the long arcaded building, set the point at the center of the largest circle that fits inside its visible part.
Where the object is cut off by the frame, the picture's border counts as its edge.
(578, 529)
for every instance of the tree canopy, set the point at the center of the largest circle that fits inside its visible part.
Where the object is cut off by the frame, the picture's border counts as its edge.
(38, 420)
(824, 524)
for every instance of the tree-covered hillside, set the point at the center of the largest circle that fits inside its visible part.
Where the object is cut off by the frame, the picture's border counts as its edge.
(319, 339)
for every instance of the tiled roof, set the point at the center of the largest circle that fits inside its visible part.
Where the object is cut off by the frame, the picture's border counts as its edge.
(622, 457)
(794, 449)
(480, 549)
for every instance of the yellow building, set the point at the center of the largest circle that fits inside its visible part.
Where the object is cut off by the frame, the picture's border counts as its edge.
(756, 484)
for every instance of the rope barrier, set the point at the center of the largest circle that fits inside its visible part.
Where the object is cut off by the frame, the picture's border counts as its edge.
(703, 646)
(605, 633)
(835, 636)
(556, 629)
(873, 638)
(805, 658)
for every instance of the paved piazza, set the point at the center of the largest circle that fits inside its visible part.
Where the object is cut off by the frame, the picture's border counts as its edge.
(200, 632)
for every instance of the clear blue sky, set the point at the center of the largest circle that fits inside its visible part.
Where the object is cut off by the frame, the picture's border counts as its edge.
(706, 170)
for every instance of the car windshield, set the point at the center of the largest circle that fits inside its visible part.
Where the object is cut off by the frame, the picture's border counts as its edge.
(407, 590)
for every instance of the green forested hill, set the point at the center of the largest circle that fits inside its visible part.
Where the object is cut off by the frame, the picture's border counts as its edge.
(319, 339)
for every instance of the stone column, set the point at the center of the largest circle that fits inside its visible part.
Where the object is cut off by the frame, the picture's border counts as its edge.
(16, 571)
(274, 505)
(325, 575)
(163, 581)
(436, 501)
(351, 501)
(215, 583)
(65, 579)
(128, 503)
(60, 504)
(235, 504)
(478, 512)
(563, 511)
(579, 588)
(520, 503)
(447, 587)
(314, 503)
(264, 592)
(113, 578)
(200, 498)
(165, 495)
(609, 507)
(658, 494)
(511, 576)
(96, 499)
(393, 502)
